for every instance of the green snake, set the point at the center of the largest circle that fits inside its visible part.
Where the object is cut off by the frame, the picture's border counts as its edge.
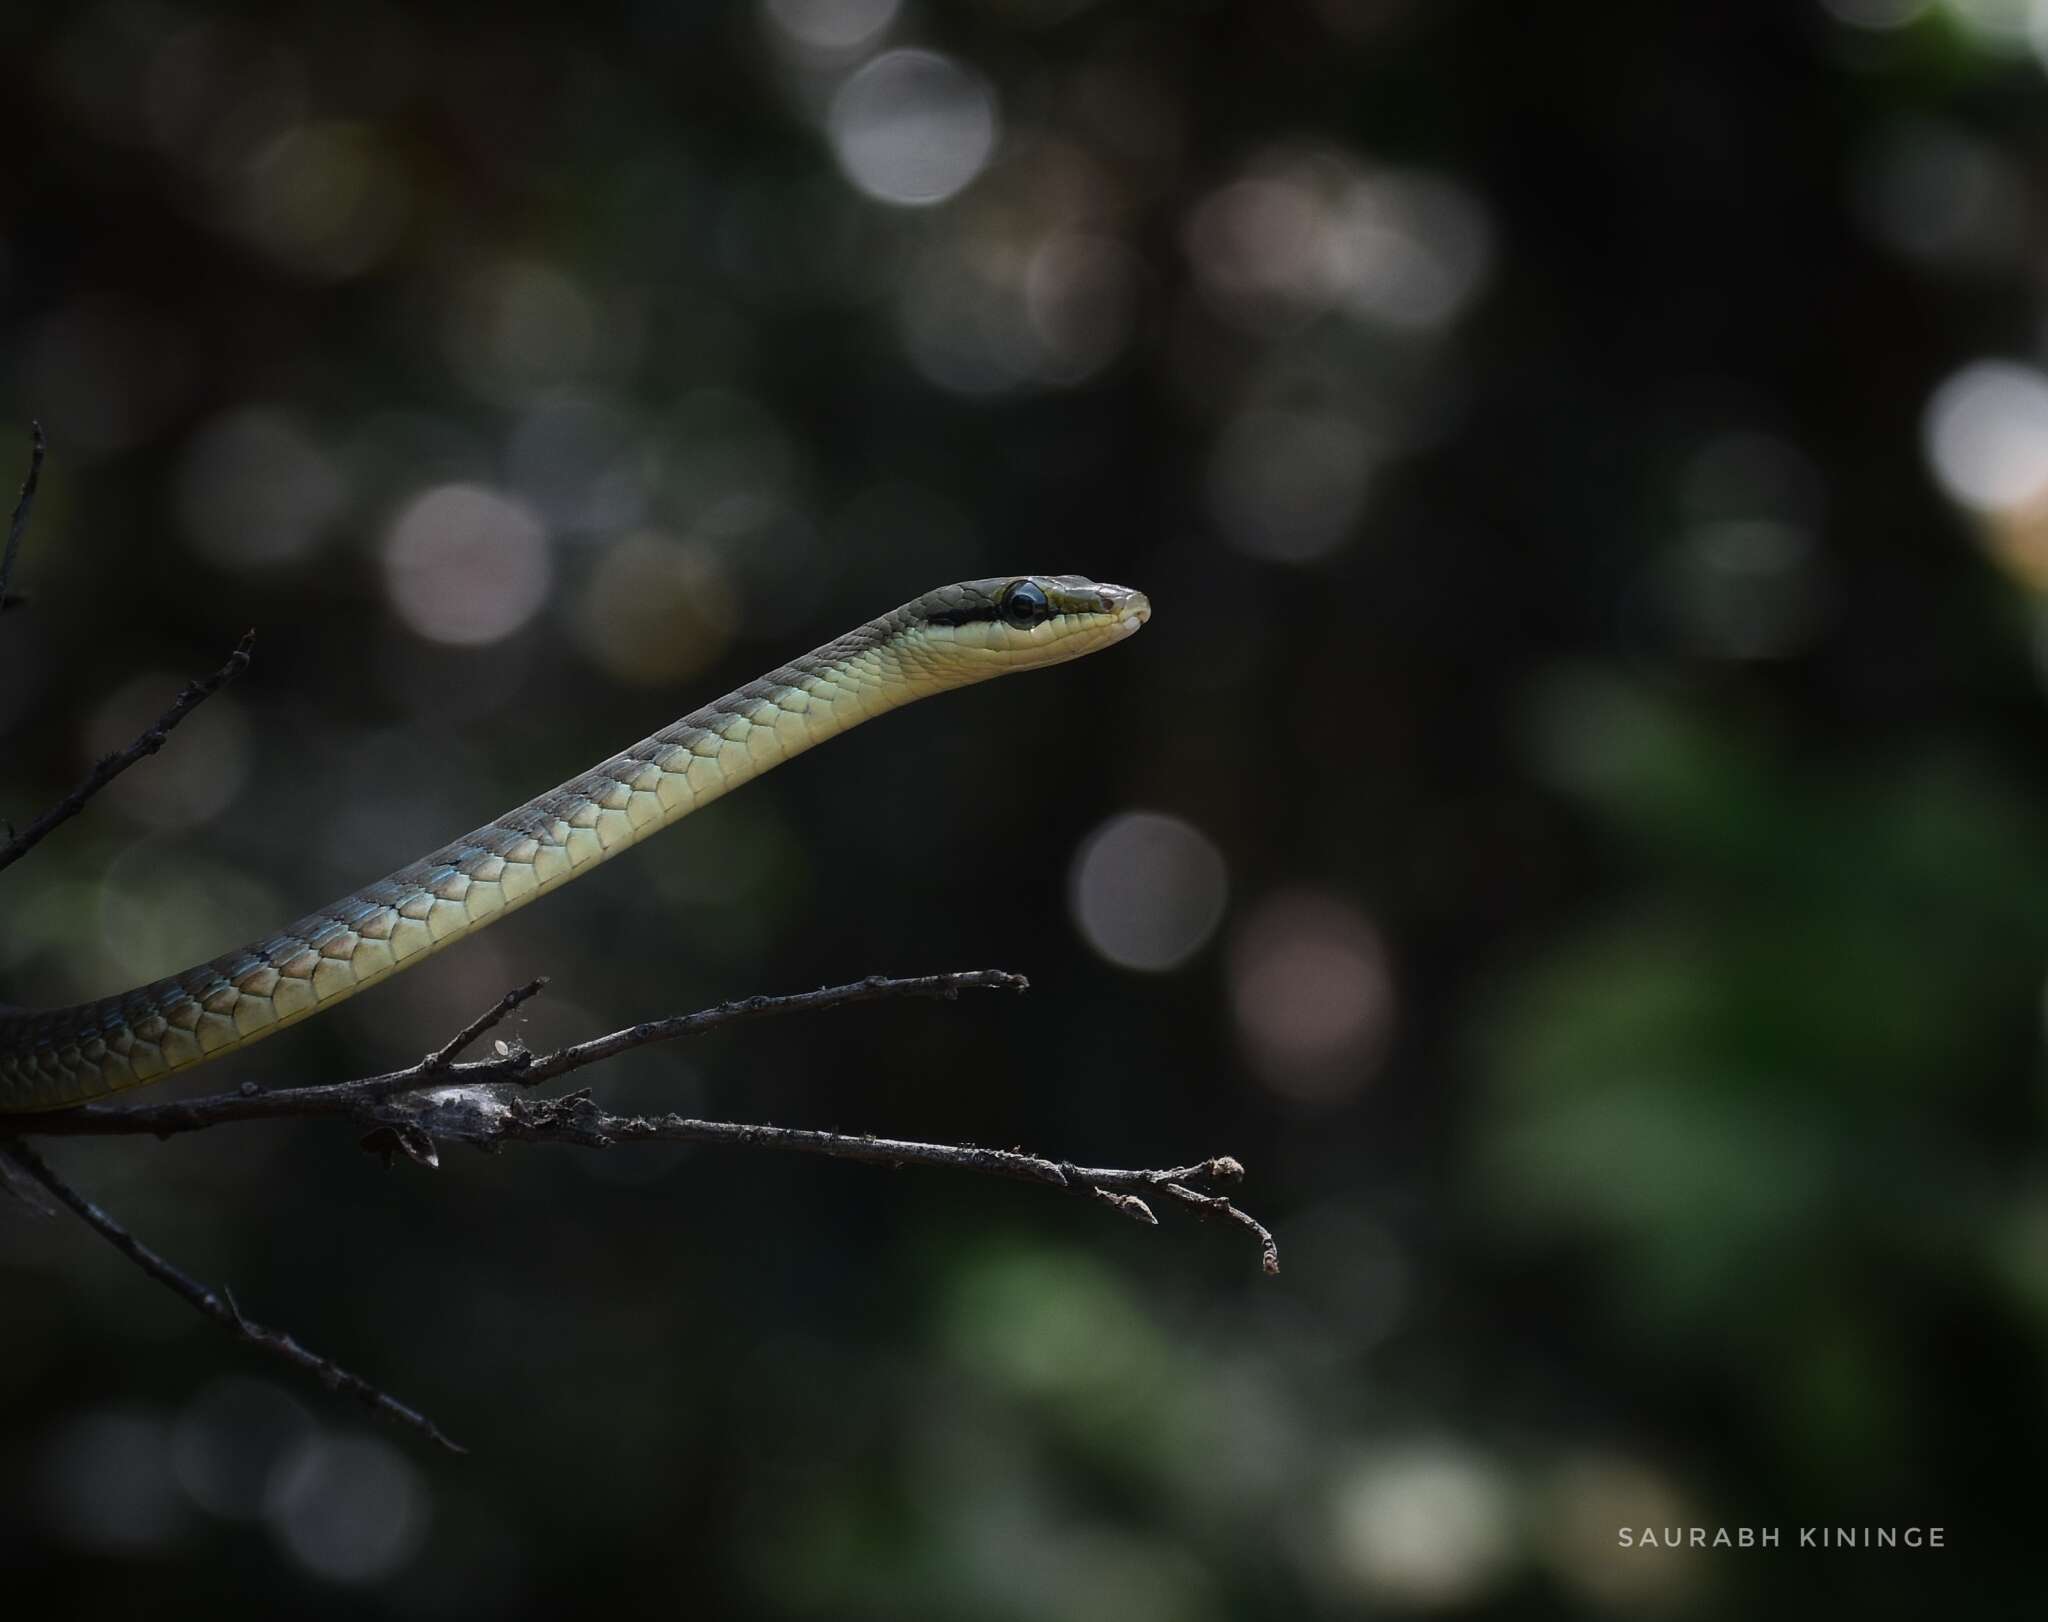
(947, 638)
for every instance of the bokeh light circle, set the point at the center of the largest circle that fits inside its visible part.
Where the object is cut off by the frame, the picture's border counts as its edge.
(1986, 432)
(1301, 231)
(1426, 1527)
(228, 1443)
(1312, 989)
(1148, 890)
(913, 127)
(1942, 194)
(324, 200)
(467, 565)
(657, 610)
(351, 1509)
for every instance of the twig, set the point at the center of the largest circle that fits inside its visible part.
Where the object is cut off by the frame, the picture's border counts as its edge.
(219, 1305)
(1215, 1205)
(350, 1098)
(112, 766)
(492, 1115)
(874, 988)
(442, 1057)
(18, 526)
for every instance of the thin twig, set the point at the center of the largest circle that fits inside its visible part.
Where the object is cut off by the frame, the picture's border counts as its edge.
(219, 1305)
(444, 1056)
(18, 526)
(874, 988)
(490, 1116)
(350, 1098)
(112, 766)
(1215, 1205)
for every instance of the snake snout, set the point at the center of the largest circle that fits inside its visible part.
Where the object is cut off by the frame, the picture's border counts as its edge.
(1131, 608)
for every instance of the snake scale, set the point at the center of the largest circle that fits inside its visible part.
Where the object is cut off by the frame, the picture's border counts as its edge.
(947, 638)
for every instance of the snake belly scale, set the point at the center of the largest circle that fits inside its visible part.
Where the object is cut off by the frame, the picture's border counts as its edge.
(947, 638)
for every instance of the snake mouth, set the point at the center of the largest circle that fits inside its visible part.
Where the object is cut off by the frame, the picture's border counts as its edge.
(1137, 609)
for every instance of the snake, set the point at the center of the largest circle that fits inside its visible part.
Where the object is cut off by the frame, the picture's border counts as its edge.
(952, 637)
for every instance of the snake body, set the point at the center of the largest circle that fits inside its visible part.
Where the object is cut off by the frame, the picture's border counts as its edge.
(947, 638)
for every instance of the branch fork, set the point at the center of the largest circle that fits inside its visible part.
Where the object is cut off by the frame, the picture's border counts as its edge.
(487, 1104)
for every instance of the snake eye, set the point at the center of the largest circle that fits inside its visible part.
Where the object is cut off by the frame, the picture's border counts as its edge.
(1024, 605)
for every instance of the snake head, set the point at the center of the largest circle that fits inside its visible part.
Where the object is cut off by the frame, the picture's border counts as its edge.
(982, 628)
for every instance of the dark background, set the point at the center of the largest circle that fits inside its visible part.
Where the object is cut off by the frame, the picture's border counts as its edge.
(1590, 467)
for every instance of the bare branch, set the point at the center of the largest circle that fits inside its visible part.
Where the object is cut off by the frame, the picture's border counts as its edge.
(485, 1104)
(490, 1115)
(112, 766)
(18, 525)
(350, 1098)
(409, 1111)
(219, 1305)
